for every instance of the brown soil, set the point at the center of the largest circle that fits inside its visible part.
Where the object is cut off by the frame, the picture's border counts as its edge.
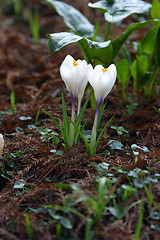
(33, 75)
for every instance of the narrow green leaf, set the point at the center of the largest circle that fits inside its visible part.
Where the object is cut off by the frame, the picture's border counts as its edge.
(79, 119)
(60, 128)
(65, 120)
(74, 19)
(12, 101)
(83, 138)
(140, 222)
(100, 135)
(29, 227)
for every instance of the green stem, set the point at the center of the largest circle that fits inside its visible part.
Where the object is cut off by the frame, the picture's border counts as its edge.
(71, 128)
(149, 89)
(79, 106)
(93, 137)
(107, 31)
(86, 55)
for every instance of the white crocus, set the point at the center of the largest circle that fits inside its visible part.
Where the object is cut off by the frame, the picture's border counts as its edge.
(102, 80)
(1, 144)
(73, 72)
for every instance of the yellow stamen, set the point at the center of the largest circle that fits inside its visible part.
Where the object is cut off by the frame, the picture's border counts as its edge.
(75, 63)
(104, 69)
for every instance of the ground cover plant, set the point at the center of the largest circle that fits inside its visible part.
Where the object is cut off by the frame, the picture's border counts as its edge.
(54, 185)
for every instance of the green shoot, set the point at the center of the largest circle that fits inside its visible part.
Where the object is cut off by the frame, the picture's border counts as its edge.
(29, 227)
(12, 101)
(34, 24)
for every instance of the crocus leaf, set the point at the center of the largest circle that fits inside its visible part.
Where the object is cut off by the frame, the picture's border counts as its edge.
(155, 13)
(117, 44)
(117, 10)
(74, 19)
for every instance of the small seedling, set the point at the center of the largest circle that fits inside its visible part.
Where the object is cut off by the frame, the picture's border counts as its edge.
(131, 108)
(47, 135)
(120, 131)
(157, 110)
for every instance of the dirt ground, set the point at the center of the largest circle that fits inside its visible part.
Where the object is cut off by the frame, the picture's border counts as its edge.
(33, 75)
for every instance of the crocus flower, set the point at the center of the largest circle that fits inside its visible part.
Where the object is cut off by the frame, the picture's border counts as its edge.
(1, 144)
(74, 74)
(102, 80)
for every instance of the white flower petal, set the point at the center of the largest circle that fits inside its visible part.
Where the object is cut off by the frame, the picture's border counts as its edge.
(102, 80)
(1, 143)
(73, 74)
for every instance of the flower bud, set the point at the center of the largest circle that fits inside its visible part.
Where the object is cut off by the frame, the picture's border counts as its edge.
(1, 144)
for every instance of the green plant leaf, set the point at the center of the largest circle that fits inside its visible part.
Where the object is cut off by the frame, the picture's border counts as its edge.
(115, 145)
(155, 13)
(101, 51)
(148, 43)
(117, 10)
(60, 40)
(12, 101)
(100, 115)
(100, 135)
(117, 44)
(139, 71)
(65, 120)
(79, 119)
(97, 51)
(157, 47)
(74, 19)
(60, 128)
(123, 74)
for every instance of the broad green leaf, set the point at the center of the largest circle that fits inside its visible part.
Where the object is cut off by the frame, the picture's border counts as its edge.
(59, 40)
(148, 43)
(117, 44)
(115, 145)
(157, 47)
(123, 71)
(97, 51)
(117, 10)
(155, 9)
(139, 71)
(101, 51)
(123, 74)
(74, 19)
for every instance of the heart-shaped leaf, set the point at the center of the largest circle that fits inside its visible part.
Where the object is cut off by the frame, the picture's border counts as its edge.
(74, 19)
(117, 10)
